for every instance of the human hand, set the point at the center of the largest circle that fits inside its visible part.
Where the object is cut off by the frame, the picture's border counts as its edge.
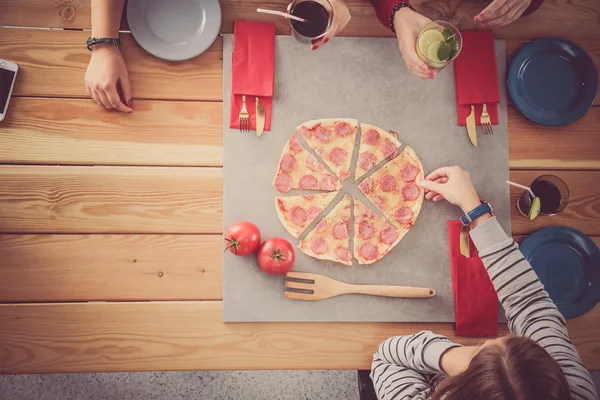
(408, 25)
(105, 71)
(502, 12)
(341, 17)
(456, 360)
(452, 184)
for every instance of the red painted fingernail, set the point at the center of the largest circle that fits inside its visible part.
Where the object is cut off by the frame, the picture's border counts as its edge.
(423, 68)
(326, 40)
(314, 48)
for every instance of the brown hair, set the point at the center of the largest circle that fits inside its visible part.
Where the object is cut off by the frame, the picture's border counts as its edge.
(516, 369)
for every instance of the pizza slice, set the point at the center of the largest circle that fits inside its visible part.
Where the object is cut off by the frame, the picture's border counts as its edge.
(298, 212)
(330, 240)
(374, 237)
(333, 140)
(376, 145)
(394, 189)
(298, 169)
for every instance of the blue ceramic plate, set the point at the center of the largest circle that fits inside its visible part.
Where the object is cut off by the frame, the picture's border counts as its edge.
(552, 81)
(568, 264)
(174, 30)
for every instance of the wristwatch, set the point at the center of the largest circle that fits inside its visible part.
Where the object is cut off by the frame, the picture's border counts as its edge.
(482, 209)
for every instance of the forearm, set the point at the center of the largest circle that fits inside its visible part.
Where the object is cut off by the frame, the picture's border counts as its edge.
(106, 17)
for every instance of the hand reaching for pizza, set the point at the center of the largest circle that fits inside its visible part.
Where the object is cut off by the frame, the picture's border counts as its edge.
(453, 184)
(341, 17)
(408, 24)
(502, 12)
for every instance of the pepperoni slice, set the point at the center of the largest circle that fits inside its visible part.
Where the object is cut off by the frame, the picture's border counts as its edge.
(295, 144)
(288, 163)
(308, 182)
(313, 164)
(342, 129)
(387, 183)
(365, 230)
(283, 183)
(340, 230)
(366, 186)
(344, 175)
(368, 251)
(313, 213)
(343, 254)
(280, 205)
(304, 132)
(323, 134)
(411, 191)
(328, 183)
(318, 245)
(321, 226)
(389, 149)
(379, 202)
(404, 215)
(371, 137)
(338, 156)
(409, 172)
(388, 235)
(367, 160)
(298, 215)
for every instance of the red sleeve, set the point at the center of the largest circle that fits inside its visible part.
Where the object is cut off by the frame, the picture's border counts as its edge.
(384, 9)
(535, 4)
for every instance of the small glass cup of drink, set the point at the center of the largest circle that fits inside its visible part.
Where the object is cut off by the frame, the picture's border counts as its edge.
(552, 192)
(439, 43)
(318, 15)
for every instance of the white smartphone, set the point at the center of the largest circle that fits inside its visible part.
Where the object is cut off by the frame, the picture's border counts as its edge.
(8, 75)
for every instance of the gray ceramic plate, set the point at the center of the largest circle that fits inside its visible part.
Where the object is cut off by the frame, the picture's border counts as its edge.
(174, 29)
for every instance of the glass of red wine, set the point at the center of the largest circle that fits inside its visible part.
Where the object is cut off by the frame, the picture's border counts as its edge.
(318, 15)
(552, 191)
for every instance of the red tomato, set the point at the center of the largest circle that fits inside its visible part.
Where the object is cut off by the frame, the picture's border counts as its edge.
(242, 238)
(276, 256)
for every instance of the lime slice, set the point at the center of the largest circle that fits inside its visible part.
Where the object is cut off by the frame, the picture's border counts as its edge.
(428, 38)
(433, 51)
(536, 206)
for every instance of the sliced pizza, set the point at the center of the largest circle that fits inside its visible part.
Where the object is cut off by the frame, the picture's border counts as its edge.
(333, 140)
(330, 240)
(298, 212)
(394, 189)
(374, 237)
(298, 169)
(376, 145)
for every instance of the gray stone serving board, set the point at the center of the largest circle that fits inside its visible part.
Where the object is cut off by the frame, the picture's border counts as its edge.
(363, 78)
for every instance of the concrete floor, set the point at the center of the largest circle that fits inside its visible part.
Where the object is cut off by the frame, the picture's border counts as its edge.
(225, 385)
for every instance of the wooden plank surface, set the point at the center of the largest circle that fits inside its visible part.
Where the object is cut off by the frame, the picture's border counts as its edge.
(575, 20)
(53, 64)
(44, 268)
(582, 212)
(50, 199)
(68, 131)
(190, 336)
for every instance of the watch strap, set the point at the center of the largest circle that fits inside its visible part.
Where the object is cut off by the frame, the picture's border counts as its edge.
(397, 8)
(482, 209)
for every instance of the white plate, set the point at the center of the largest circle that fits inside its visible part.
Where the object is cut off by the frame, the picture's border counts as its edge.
(174, 30)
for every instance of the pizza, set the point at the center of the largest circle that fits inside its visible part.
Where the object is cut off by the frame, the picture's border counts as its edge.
(330, 239)
(298, 212)
(394, 189)
(376, 145)
(333, 140)
(299, 169)
(374, 237)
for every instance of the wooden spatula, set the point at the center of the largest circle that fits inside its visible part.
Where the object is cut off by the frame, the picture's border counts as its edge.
(306, 286)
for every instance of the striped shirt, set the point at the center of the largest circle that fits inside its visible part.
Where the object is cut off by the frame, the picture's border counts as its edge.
(408, 367)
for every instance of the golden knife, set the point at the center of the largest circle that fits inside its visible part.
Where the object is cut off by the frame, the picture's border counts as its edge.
(260, 119)
(471, 128)
(465, 247)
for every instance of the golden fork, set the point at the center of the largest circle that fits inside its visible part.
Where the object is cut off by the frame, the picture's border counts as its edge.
(244, 117)
(486, 122)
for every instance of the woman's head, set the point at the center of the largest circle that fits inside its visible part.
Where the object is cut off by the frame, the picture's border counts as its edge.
(512, 367)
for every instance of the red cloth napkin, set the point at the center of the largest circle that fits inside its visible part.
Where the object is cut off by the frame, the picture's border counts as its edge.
(253, 70)
(476, 76)
(475, 299)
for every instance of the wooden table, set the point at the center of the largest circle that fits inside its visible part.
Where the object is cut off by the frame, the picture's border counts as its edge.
(110, 244)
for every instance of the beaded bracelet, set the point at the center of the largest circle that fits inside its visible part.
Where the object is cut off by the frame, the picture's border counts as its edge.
(394, 10)
(92, 41)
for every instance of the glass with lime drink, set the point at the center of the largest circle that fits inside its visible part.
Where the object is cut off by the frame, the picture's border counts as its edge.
(438, 44)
